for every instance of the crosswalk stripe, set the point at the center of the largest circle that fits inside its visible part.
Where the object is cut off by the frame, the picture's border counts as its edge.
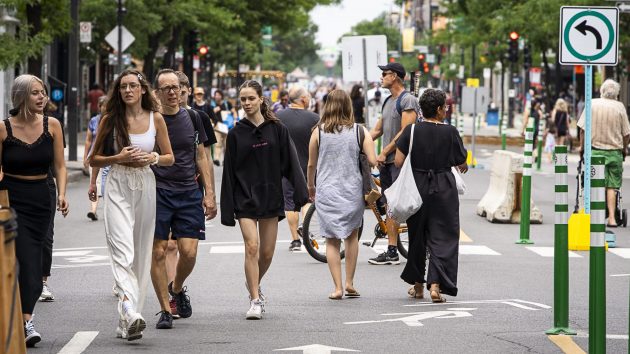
(477, 250)
(79, 343)
(549, 252)
(227, 249)
(621, 252)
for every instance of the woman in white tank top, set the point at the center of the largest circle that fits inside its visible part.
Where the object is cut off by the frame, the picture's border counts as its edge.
(128, 133)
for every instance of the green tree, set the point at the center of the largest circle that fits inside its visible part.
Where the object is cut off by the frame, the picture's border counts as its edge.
(41, 23)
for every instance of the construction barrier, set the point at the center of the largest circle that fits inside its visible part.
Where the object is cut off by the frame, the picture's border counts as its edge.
(501, 202)
(597, 268)
(526, 190)
(561, 251)
(11, 325)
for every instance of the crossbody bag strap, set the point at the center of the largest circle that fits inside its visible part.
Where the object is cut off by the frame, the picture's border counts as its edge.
(413, 126)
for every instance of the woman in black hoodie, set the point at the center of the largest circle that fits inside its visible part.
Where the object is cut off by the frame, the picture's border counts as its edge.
(259, 153)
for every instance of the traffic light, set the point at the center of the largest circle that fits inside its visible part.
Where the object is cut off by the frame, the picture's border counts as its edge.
(425, 68)
(513, 48)
(203, 50)
(527, 58)
(421, 61)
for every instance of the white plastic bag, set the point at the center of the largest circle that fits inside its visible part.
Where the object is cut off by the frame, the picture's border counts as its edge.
(403, 197)
(459, 181)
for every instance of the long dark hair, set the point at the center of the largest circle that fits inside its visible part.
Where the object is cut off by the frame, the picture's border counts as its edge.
(356, 92)
(114, 115)
(265, 106)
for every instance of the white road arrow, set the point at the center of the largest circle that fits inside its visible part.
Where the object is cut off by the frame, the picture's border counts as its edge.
(316, 349)
(623, 7)
(416, 317)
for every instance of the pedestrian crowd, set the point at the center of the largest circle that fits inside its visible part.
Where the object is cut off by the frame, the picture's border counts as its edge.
(155, 155)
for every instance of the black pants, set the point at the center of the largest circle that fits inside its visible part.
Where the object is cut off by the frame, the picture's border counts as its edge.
(31, 201)
(48, 242)
(435, 227)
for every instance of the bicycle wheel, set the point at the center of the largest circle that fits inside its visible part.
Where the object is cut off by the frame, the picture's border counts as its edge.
(315, 243)
(403, 240)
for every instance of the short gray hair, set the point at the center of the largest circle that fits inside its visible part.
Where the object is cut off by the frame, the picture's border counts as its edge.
(609, 89)
(296, 92)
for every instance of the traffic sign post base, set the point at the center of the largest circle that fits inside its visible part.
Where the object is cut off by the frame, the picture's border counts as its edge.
(556, 331)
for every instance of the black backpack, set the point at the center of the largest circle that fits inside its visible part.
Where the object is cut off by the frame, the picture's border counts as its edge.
(398, 100)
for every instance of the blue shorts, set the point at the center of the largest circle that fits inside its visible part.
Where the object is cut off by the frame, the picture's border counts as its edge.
(179, 213)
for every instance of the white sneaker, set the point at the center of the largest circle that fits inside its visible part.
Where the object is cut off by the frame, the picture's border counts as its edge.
(121, 330)
(256, 309)
(46, 295)
(115, 291)
(135, 324)
(31, 337)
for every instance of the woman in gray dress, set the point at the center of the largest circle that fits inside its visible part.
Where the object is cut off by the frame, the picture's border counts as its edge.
(338, 197)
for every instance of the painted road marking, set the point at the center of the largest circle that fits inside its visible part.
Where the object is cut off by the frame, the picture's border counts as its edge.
(227, 249)
(316, 349)
(62, 266)
(608, 336)
(521, 304)
(621, 252)
(566, 344)
(78, 343)
(477, 250)
(549, 252)
(412, 319)
(463, 237)
(620, 275)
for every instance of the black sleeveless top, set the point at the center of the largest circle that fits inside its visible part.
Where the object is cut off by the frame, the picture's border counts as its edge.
(20, 158)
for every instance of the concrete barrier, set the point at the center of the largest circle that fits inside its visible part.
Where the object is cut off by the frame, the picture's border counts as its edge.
(501, 203)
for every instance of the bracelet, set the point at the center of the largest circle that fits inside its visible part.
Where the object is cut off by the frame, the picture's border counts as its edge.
(157, 158)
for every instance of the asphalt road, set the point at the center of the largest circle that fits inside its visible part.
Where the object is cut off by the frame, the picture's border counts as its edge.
(503, 306)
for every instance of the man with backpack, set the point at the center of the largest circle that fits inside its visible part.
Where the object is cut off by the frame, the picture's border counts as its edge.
(181, 203)
(399, 110)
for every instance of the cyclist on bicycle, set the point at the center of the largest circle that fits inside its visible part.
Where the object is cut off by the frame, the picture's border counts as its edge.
(399, 110)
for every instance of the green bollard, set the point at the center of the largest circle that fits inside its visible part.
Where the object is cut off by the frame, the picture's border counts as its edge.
(541, 129)
(597, 268)
(502, 129)
(378, 146)
(561, 247)
(526, 189)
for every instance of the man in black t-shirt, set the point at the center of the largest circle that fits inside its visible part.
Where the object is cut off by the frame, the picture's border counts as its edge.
(181, 204)
(300, 122)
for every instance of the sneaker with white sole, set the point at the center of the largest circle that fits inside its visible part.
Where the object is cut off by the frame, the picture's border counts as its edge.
(261, 296)
(173, 305)
(121, 330)
(46, 295)
(256, 309)
(115, 291)
(31, 336)
(135, 325)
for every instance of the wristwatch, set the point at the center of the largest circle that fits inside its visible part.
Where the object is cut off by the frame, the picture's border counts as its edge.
(157, 158)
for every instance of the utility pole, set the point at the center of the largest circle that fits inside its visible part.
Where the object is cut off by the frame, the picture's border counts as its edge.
(73, 81)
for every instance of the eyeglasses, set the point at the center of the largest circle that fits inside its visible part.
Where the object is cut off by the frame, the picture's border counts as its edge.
(385, 73)
(132, 86)
(166, 89)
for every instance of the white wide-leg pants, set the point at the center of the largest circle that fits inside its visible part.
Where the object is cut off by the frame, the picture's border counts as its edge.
(129, 211)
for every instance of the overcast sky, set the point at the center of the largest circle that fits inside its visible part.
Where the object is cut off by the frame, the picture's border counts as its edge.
(334, 21)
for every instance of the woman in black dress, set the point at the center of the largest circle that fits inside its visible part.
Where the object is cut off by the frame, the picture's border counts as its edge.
(437, 147)
(560, 116)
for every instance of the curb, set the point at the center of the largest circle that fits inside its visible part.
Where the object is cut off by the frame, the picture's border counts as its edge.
(496, 140)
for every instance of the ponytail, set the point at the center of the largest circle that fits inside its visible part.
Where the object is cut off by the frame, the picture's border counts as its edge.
(265, 110)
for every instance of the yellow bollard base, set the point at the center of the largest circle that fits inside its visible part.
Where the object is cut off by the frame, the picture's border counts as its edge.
(470, 161)
(580, 232)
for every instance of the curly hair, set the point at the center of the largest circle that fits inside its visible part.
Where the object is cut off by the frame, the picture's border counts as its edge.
(430, 100)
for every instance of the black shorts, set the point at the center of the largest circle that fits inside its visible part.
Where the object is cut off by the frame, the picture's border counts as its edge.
(179, 213)
(388, 175)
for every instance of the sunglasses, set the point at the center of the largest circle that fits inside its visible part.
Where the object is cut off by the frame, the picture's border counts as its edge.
(384, 74)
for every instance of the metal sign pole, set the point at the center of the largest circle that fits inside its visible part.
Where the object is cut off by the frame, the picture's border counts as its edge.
(588, 71)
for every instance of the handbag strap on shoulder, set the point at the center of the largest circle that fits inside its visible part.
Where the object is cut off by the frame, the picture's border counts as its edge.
(411, 140)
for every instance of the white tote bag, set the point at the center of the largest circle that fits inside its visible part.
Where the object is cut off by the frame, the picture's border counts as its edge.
(459, 181)
(403, 197)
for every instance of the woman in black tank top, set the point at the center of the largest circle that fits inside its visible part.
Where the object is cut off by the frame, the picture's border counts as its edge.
(30, 144)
